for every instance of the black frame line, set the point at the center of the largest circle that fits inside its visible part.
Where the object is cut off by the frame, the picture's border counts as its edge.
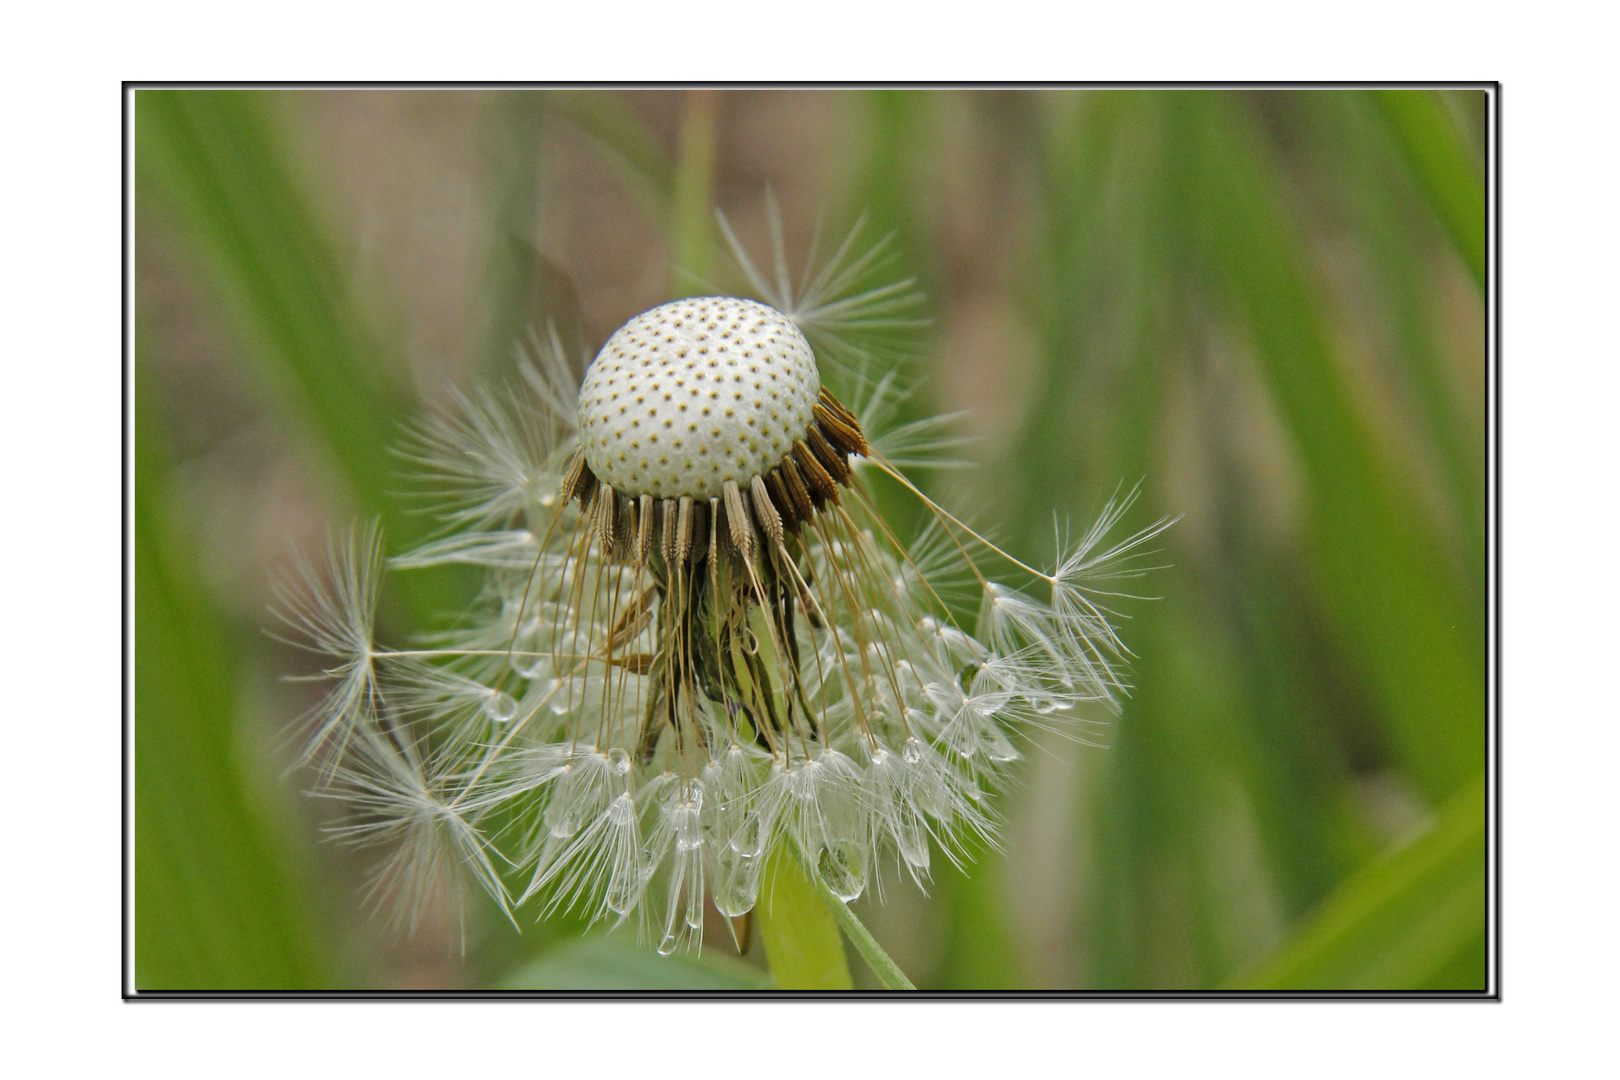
(1493, 583)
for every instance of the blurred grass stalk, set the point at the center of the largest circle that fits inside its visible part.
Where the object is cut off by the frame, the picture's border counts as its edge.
(217, 906)
(691, 210)
(1170, 238)
(1409, 920)
(209, 156)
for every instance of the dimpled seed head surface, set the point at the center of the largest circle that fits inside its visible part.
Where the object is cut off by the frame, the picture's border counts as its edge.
(694, 393)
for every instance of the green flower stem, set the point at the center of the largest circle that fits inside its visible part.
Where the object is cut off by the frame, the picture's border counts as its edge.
(800, 934)
(887, 971)
(799, 921)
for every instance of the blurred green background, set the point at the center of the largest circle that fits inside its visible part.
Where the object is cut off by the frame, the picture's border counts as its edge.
(1267, 305)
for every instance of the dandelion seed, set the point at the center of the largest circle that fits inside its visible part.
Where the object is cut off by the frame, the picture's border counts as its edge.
(699, 643)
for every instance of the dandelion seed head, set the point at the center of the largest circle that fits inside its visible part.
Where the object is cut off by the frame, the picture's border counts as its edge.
(699, 645)
(695, 393)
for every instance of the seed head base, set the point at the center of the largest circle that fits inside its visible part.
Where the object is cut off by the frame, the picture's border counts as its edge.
(713, 563)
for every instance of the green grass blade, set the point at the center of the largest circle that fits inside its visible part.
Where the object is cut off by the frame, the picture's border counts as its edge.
(607, 118)
(1384, 580)
(1090, 284)
(1440, 160)
(893, 174)
(1361, 160)
(216, 906)
(1100, 298)
(1110, 297)
(1250, 679)
(516, 279)
(691, 211)
(882, 965)
(1412, 920)
(979, 951)
(210, 155)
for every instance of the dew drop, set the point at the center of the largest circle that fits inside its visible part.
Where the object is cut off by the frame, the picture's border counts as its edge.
(844, 869)
(500, 706)
(564, 823)
(686, 820)
(913, 843)
(933, 798)
(622, 892)
(694, 907)
(962, 738)
(736, 887)
(746, 837)
(997, 746)
(531, 666)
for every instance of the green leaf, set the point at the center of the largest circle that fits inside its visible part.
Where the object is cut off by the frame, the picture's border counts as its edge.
(800, 934)
(216, 906)
(1414, 919)
(1449, 175)
(617, 963)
